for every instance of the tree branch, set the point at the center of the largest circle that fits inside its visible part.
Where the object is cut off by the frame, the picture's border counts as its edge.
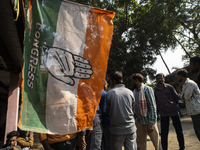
(183, 35)
(182, 47)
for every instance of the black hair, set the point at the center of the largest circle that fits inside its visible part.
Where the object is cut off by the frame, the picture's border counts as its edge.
(117, 77)
(195, 59)
(22, 133)
(12, 134)
(160, 74)
(183, 73)
(138, 76)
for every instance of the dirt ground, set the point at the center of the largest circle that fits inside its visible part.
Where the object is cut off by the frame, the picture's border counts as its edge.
(191, 141)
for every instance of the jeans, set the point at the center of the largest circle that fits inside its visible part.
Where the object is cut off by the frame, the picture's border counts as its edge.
(94, 140)
(105, 144)
(165, 131)
(196, 124)
(128, 140)
(66, 145)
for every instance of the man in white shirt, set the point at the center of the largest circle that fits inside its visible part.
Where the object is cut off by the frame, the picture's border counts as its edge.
(191, 95)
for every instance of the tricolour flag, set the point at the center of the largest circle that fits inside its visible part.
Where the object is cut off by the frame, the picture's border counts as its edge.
(65, 60)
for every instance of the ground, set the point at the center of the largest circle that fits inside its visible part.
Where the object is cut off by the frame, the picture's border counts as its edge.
(191, 141)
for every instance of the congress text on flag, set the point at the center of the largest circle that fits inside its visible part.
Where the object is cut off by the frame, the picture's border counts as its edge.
(65, 60)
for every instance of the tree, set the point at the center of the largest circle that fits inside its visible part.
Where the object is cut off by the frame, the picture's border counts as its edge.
(188, 32)
(143, 30)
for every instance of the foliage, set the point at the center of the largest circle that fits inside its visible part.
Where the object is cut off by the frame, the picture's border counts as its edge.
(142, 30)
(188, 31)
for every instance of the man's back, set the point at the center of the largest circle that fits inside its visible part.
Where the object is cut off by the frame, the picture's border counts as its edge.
(119, 102)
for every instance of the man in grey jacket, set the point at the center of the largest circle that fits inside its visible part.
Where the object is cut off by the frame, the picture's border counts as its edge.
(119, 107)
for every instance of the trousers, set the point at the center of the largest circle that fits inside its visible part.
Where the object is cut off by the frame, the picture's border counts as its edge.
(142, 136)
(165, 131)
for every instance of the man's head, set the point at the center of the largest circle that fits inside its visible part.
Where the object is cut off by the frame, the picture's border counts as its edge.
(12, 138)
(136, 79)
(116, 78)
(195, 64)
(182, 75)
(160, 79)
(23, 133)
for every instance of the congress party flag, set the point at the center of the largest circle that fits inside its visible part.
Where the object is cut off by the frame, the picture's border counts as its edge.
(65, 60)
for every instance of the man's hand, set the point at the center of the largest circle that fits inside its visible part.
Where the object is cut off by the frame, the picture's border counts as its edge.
(80, 143)
(150, 128)
(64, 65)
(30, 133)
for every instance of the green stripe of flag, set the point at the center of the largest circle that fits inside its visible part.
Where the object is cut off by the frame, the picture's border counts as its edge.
(43, 28)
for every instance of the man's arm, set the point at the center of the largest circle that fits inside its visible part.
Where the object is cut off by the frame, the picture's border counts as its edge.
(151, 106)
(80, 142)
(174, 94)
(24, 143)
(187, 91)
(102, 103)
(44, 141)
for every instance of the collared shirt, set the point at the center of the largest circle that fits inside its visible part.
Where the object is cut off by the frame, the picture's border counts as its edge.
(191, 95)
(151, 117)
(119, 104)
(166, 99)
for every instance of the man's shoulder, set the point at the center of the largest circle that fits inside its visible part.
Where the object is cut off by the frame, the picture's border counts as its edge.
(123, 88)
(191, 83)
(146, 87)
(168, 86)
(104, 92)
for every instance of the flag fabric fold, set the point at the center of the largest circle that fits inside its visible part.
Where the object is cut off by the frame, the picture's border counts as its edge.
(65, 60)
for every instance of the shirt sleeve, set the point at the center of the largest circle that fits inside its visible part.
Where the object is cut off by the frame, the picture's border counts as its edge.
(25, 143)
(17, 146)
(187, 92)
(174, 94)
(151, 106)
(42, 136)
(102, 103)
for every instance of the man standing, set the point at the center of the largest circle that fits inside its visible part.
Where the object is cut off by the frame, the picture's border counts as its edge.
(105, 144)
(167, 99)
(191, 95)
(145, 113)
(119, 106)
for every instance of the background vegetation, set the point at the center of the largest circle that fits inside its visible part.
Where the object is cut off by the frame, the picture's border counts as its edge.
(145, 28)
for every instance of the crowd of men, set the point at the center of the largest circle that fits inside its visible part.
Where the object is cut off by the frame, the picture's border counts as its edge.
(125, 117)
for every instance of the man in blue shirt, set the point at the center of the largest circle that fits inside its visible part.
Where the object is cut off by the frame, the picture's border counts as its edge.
(105, 144)
(145, 113)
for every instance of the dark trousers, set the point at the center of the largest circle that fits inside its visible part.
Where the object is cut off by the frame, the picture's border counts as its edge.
(196, 124)
(66, 145)
(105, 144)
(94, 140)
(165, 131)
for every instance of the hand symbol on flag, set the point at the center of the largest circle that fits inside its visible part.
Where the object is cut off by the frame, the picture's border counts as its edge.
(64, 65)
